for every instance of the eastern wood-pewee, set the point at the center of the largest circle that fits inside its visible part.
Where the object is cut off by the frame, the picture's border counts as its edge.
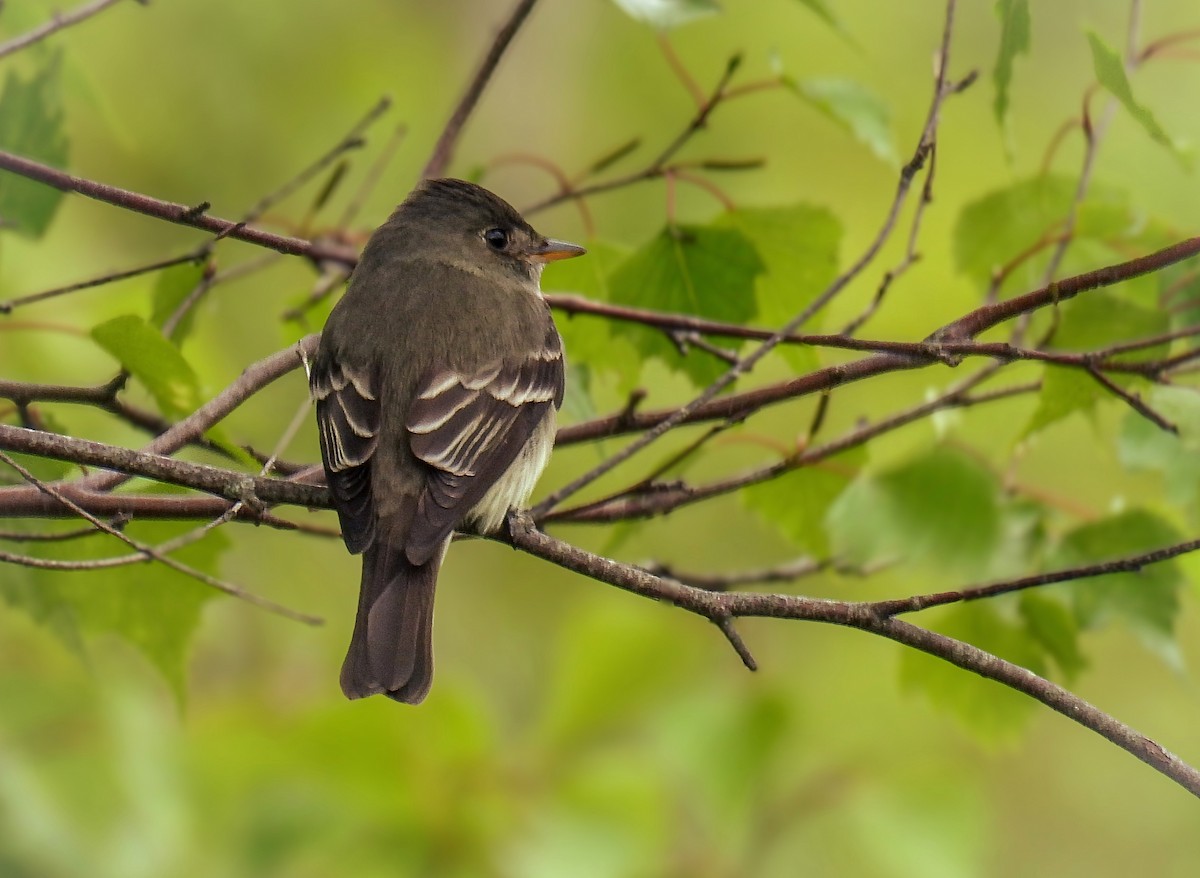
(437, 382)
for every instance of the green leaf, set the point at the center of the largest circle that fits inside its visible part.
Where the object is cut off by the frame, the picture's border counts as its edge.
(705, 271)
(667, 14)
(798, 501)
(1097, 319)
(1110, 70)
(1015, 32)
(741, 736)
(586, 698)
(941, 508)
(1091, 322)
(151, 606)
(1053, 626)
(854, 108)
(31, 125)
(171, 290)
(589, 344)
(1064, 391)
(1148, 601)
(991, 710)
(145, 352)
(994, 228)
(1180, 406)
(1144, 446)
(23, 589)
(821, 10)
(1179, 288)
(798, 245)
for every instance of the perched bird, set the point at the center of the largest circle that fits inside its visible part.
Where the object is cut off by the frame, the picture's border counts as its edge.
(437, 383)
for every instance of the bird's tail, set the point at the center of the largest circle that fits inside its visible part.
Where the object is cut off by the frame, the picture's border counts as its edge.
(391, 649)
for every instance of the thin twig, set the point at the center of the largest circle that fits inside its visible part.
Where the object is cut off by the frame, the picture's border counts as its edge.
(151, 553)
(61, 536)
(1128, 564)
(660, 164)
(374, 174)
(787, 572)
(58, 21)
(253, 379)
(635, 502)
(1134, 401)
(980, 320)
(443, 150)
(746, 364)
(862, 616)
(7, 307)
(352, 139)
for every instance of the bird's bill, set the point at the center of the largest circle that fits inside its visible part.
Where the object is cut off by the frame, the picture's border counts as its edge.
(552, 251)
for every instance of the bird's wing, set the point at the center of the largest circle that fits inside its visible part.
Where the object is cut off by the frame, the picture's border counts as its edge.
(348, 418)
(469, 428)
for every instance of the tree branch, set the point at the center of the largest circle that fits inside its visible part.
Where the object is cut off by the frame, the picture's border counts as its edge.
(444, 149)
(210, 479)
(59, 21)
(987, 316)
(150, 553)
(744, 366)
(717, 606)
(253, 378)
(194, 216)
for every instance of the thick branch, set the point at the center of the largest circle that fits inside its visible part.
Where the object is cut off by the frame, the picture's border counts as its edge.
(210, 479)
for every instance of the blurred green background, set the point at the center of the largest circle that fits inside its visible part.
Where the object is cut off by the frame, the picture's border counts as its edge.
(573, 729)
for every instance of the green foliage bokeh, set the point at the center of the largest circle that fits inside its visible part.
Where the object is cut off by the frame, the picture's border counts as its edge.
(573, 729)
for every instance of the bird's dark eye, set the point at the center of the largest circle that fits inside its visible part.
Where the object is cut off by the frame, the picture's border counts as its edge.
(497, 239)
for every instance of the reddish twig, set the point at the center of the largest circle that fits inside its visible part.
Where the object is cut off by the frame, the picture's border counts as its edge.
(745, 365)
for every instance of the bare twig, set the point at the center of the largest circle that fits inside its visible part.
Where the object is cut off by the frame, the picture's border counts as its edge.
(150, 553)
(684, 327)
(717, 606)
(746, 364)
(61, 536)
(1128, 564)
(253, 378)
(59, 21)
(444, 149)
(660, 164)
(352, 139)
(964, 328)
(787, 572)
(10, 305)
(1134, 401)
(372, 177)
(633, 503)
(181, 214)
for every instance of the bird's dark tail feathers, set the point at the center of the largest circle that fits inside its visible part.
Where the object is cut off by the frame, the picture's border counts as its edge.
(391, 650)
